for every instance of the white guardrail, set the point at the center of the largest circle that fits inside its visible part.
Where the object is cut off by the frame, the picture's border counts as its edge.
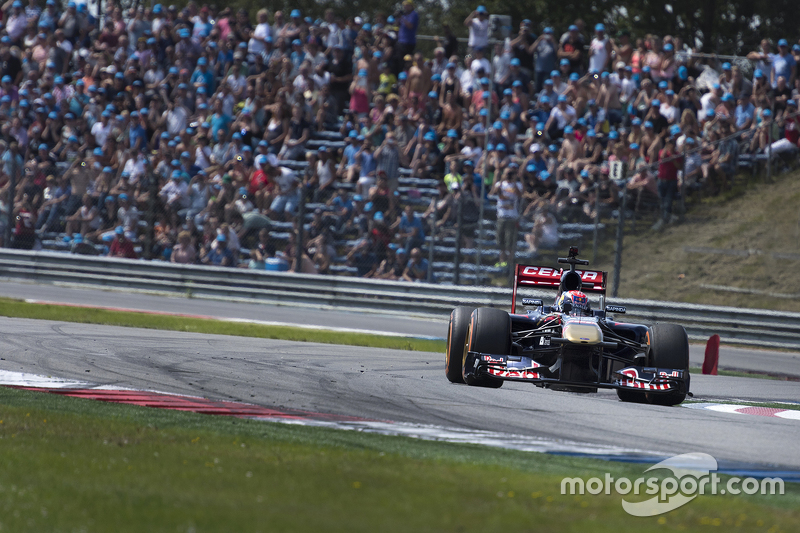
(753, 327)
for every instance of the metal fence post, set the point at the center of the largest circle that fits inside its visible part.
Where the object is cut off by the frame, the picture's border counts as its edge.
(512, 254)
(769, 151)
(618, 246)
(150, 215)
(12, 192)
(596, 221)
(479, 241)
(457, 259)
(485, 169)
(300, 232)
(430, 248)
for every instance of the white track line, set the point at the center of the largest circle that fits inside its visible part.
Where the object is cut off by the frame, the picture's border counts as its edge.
(788, 414)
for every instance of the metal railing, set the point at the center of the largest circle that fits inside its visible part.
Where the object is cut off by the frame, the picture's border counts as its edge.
(752, 327)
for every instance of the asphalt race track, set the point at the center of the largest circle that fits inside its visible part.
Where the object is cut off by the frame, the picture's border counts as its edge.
(399, 386)
(731, 358)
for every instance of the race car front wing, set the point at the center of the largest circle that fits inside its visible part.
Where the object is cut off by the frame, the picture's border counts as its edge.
(525, 369)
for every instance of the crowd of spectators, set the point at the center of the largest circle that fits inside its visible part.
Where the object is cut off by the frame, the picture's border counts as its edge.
(195, 135)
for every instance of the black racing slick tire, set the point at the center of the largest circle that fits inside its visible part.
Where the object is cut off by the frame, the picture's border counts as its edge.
(456, 339)
(669, 348)
(489, 332)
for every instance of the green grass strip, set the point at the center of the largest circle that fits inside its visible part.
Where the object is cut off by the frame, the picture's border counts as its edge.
(21, 309)
(81, 465)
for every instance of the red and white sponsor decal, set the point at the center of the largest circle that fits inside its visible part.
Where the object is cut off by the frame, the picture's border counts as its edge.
(644, 386)
(524, 373)
(536, 276)
(519, 374)
(636, 383)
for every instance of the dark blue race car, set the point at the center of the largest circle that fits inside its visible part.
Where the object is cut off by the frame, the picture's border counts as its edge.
(568, 346)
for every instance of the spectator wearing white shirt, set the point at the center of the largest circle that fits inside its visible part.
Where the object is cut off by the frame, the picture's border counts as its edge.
(288, 197)
(439, 62)
(17, 22)
(480, 63)
(177, 115)
(127, 214)
(559, 86)
(478, 24)
(467, 79)
(501, 63)
(508, 192)
(102, 128)
(711, 99)
(263, 31)
(560, 117)
(668, 109)
(174, 193)
(334, 37)
(618, 75)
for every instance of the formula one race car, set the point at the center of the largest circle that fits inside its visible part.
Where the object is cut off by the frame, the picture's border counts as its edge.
(568, 346)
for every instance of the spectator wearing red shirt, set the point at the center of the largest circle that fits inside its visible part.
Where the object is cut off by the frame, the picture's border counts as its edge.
(261, 187)
(792, 123)
(24, 236)
(668, 166)
(121, 246)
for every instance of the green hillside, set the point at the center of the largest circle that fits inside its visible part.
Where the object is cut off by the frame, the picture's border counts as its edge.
(742, 249)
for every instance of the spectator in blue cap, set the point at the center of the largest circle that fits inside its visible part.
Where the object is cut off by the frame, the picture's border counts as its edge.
(783, 64)
(560, 117)
(745, 112)
(545, 49)
(725, 111)
(600, 49)
(102, 128)
(572, 47)
(478, 24)
(16, 23)
(121, 246)
(203, 76)
(219, 254)
(514, 76)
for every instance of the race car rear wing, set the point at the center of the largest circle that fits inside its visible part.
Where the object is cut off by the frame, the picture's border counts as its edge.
(594, 281)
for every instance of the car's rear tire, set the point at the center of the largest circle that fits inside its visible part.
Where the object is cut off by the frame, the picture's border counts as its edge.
(489, 332)
(669, 348)
(456, 339)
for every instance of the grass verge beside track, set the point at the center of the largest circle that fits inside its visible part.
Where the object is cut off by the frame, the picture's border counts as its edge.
(70, 464)
(19, 309)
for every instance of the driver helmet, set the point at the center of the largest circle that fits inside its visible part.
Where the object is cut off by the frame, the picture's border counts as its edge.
(578, 300)
(570, 281)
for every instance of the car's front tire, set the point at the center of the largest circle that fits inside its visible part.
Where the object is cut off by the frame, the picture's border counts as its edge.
(489, 332)
(669, 348)
(456, 339)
